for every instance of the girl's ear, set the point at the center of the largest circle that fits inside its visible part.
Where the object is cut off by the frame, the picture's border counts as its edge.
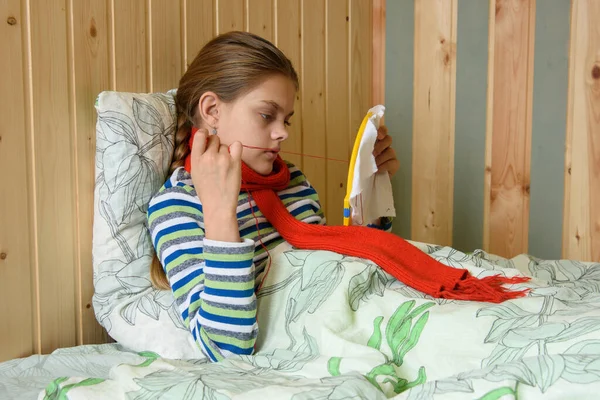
(209, 107)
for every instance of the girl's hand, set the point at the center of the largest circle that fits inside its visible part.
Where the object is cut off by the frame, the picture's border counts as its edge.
(217, 176)
(385, 156)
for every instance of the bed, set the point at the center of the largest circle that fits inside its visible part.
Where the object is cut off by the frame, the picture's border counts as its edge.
(338, 328)
(331, 326)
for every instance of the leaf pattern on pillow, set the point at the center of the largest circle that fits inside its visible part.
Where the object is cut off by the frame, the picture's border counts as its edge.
(134, 145)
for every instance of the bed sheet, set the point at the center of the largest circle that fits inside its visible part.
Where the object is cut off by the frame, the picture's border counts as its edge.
(25, 378)
(335, 327)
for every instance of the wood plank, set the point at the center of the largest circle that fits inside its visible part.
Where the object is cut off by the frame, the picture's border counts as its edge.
(91, 66)
(230, 15)
(399, 104)
(289, 40)
(130, 45)
(337, 118)
(166, 45)
(53, 152)
(433, 126)
(16, 329)
(200, 26)
(511, 127)
(360, 66)
(548, 128)
(581, 234)
(313, 102)
(260, 18)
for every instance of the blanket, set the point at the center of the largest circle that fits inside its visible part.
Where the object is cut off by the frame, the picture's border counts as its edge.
(336, 327)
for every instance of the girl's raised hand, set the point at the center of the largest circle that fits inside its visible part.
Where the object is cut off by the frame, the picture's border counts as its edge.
(385, 155)
(217, 176)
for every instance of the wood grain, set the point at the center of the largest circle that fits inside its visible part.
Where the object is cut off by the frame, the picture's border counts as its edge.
(53, 153)
(77, 48)
(230, 15)
(289, 40)
(581, 228)
(337, 105)
(313, 102)
(16, 313)
(259, 18)
(433, 121)
(91, 66)
(130, 45)
(508, 219)
(360, 65)
(166, 45)
(199, 26)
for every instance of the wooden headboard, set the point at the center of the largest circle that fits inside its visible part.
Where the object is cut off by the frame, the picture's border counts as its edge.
(58, 55)
(493, 107)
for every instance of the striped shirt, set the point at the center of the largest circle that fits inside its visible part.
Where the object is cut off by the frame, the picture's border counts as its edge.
(214, 282)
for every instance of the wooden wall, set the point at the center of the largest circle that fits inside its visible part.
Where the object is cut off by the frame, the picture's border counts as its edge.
(57, 55)
(495, 109)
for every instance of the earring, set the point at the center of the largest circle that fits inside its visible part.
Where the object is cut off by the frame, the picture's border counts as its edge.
(214, 131)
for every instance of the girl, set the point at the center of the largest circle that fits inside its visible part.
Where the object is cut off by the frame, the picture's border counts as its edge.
(209, 235)
(231, 198)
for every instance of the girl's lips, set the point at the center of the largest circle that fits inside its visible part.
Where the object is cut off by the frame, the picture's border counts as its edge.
(271, 155)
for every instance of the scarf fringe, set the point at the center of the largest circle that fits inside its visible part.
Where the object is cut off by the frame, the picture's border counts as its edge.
(488, 289)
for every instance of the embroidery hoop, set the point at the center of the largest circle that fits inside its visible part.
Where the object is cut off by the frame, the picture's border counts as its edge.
(353, 157)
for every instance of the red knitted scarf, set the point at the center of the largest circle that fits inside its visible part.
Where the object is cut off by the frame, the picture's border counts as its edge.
(395, 255)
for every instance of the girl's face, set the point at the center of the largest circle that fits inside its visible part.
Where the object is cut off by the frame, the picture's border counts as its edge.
(259, 118)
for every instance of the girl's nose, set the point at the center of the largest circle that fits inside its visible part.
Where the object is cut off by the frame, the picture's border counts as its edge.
(280, 134)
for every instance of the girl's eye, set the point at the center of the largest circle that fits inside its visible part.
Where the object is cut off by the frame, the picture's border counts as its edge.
(268, 117)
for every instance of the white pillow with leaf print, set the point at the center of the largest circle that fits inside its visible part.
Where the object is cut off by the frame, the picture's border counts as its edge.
(134, 145)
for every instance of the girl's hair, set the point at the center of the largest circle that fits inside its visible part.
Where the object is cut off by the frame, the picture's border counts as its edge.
(229, 65)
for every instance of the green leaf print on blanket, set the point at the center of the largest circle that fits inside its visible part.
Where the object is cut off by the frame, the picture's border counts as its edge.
(58, 390)
(499, 393)
(402, 334)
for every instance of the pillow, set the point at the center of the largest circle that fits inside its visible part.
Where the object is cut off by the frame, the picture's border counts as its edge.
(134, 146)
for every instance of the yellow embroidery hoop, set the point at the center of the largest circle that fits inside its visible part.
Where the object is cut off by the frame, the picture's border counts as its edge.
(359, 135)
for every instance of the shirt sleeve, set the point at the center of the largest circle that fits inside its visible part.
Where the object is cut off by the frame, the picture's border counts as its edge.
(212, 282)
(310, 198)
(385, 224)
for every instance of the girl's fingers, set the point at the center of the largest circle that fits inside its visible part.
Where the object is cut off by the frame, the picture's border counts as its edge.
(387, 155)
(199, 143)
(382, 132)
(390, 166)
(214, 143)
(381, 145)
(235, 150)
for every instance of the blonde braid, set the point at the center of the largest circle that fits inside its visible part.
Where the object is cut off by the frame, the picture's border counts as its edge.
(182, 138)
